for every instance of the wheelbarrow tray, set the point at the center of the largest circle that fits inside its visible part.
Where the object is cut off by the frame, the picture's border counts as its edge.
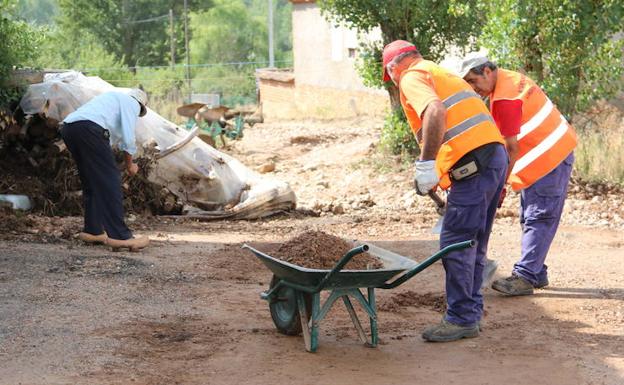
(393, 265)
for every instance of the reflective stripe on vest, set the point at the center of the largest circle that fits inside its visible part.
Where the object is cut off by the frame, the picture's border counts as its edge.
(465, 125)
(536, 120)
(541, 148)
(458, 97)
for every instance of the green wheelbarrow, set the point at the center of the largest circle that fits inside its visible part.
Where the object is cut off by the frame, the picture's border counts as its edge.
(294, 293)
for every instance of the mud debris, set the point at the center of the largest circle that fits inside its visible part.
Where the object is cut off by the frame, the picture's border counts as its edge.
(402, 300)
(319, 250)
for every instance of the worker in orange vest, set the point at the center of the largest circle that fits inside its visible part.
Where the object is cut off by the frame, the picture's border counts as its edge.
(540, 143)
(462, 151)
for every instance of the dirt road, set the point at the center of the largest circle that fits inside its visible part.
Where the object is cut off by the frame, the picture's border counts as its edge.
(187, 310)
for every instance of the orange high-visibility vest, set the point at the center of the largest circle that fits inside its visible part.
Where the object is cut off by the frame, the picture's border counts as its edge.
(469, 124)
(546, 138)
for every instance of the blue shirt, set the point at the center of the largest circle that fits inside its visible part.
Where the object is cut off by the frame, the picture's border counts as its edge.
(114, 111)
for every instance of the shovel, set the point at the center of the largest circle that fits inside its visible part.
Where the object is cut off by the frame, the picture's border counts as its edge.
(441, 209)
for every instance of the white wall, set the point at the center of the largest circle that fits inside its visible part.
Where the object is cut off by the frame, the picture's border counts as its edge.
(321, 51)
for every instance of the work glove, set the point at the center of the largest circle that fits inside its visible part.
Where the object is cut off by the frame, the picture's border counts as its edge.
(502, 197)
(425, 177)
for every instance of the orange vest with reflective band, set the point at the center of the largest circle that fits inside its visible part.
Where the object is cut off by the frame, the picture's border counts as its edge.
(469, 124)
(545, 139)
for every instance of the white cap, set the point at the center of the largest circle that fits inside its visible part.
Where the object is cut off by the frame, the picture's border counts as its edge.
(140, 96)
(472, 60)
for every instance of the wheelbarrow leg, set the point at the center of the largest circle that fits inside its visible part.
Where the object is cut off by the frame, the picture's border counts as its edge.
(369, 307)
(355, 319)
(305, 325)
(309, 326)
(373, 320)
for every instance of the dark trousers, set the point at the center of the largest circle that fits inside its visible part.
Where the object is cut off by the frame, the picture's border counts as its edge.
(100, 178)
(541, 207)
(470, 215)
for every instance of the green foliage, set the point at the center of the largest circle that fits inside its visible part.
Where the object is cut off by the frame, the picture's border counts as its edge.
(228, 33)
(432, 25)
(566, 46)
(39, 12)
(232, 37)
(397, 137)
(122, 28)
(282, 20)
(87, 55)
(19, 44)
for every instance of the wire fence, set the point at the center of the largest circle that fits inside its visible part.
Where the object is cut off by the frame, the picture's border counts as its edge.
(233, 82)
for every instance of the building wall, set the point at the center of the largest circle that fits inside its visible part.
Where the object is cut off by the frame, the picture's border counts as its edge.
(326, 84)
(278, 100)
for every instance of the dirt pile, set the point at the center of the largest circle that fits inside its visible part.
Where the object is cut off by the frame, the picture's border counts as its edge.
(319, 250)
(399, 301)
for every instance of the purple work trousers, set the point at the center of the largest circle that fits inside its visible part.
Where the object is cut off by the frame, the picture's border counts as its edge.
(540, 212)
(470, 214)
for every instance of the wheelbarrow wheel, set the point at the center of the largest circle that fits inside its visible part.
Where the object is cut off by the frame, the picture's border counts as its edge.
(284, 310)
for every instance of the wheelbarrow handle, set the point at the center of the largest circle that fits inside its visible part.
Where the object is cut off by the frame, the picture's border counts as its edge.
(341, 263)
(428, 262)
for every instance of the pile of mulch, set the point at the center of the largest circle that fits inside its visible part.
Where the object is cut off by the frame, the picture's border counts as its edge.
(319, 250)
(13, 221)
(400, 301)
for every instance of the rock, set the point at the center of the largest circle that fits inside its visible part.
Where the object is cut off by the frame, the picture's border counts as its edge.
(267, 167)
(338, 209)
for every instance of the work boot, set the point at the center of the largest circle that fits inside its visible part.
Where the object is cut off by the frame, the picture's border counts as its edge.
(91, 238)
(132, 244)
(542, 283)
(446, 332)
(513, 285)
(488, 272)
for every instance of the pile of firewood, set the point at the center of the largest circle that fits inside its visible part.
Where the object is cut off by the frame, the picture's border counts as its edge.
(35, 161)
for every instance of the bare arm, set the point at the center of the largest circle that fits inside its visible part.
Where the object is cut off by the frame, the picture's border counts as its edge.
(511, 144)
(433, 128)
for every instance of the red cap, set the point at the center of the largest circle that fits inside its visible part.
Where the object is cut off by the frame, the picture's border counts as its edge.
(393, 50)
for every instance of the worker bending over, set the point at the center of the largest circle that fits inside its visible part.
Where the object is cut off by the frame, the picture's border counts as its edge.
(540, 143)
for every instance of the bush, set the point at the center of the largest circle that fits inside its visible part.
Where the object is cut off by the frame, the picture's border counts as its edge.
(397, 137)
(19, 45)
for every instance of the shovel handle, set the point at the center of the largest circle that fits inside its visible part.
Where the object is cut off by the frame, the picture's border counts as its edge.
(436, 198)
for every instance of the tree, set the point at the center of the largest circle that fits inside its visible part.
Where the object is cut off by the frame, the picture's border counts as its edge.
(19, 44)
(228, 33)
(39, 12)
(432, 25)
(135, 31)
(568, 47)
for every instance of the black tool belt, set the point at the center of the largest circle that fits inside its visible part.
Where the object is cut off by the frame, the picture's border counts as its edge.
(471, 164)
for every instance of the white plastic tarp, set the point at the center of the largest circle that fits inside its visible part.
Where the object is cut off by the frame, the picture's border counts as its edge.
(214, 183)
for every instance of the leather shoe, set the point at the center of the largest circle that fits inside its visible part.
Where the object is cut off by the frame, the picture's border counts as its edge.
(132, 244)
(92, 238)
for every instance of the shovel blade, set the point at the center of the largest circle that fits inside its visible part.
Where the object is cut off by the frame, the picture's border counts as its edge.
(437, 229)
